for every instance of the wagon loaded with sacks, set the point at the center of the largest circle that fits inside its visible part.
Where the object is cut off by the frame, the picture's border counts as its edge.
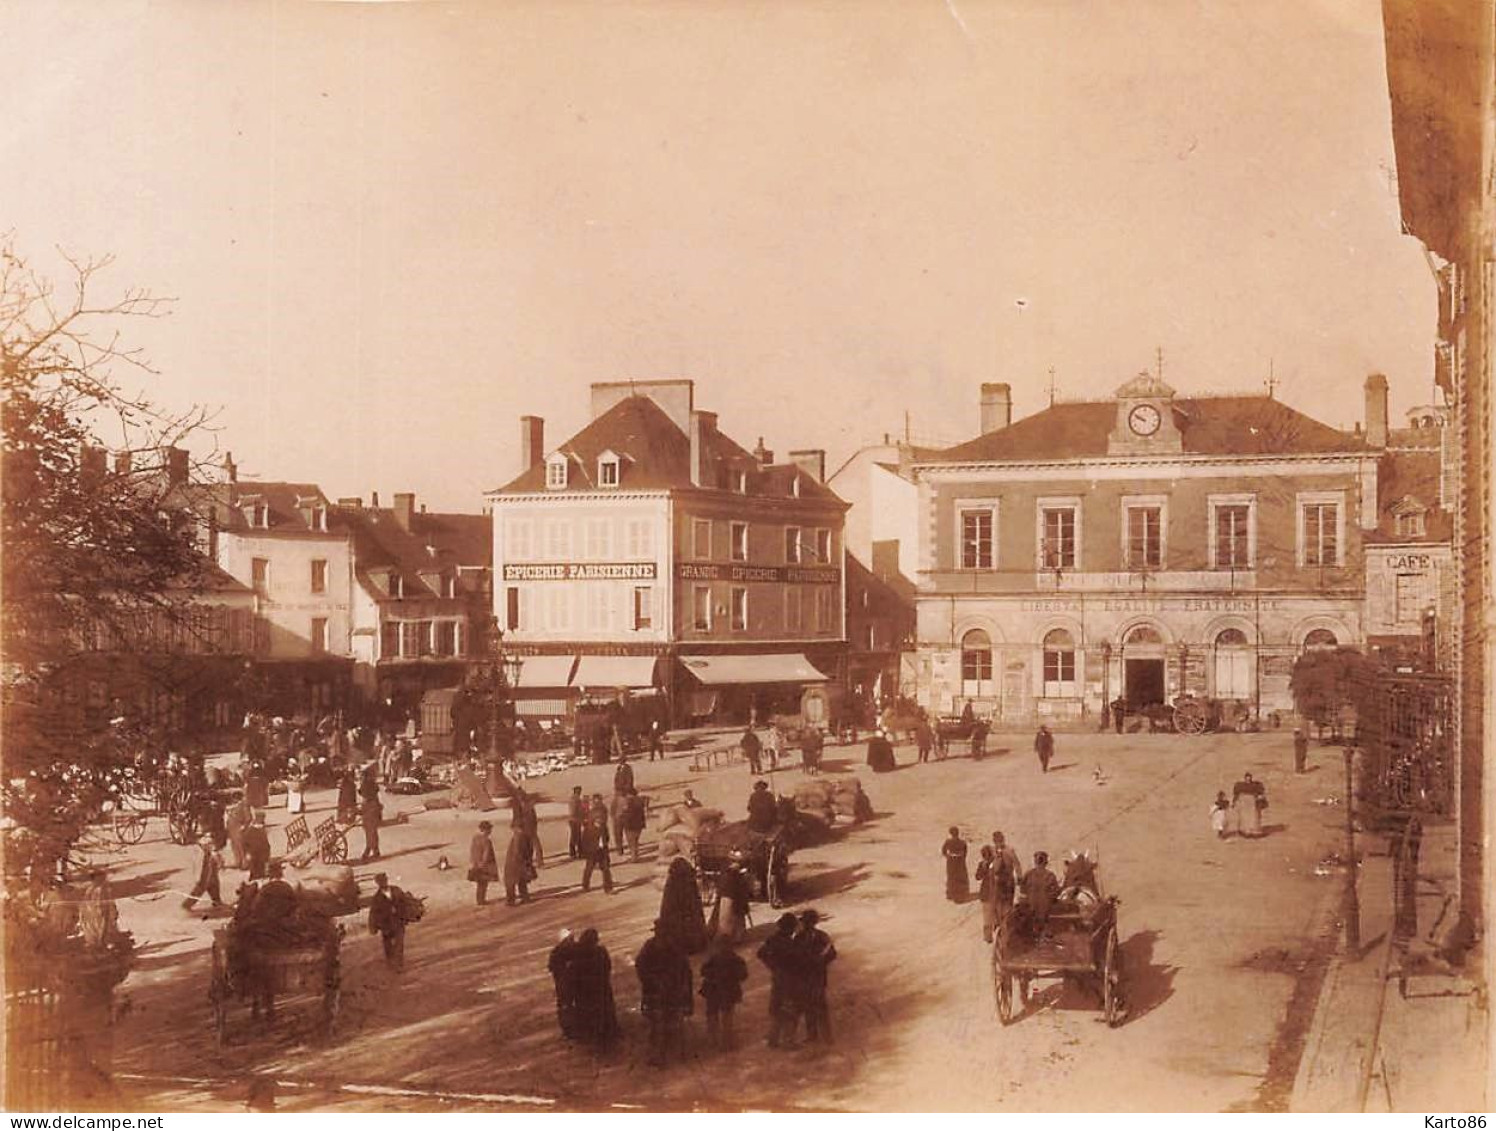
(833, 800)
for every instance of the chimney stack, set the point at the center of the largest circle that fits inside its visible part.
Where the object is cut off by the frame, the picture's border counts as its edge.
(175, 460)
(997, 407)
(374, 498)
(531, 441)
(230, 468)
(703, 425)
(762, 454)
(1376, 411)
(812, 461)
(405, 506)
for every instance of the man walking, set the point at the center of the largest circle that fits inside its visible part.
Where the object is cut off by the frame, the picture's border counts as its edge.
(236, 823)
(386, 921)
(786, 981)
(924, 739)
(819, 953)
(978, 739)
(665, 996)
(722, 977)
(1044, 747)
(209, 866)
(517, 867)
(752, 750)
(635, 817)
(656, 740)
(576, 816)
(595, 853)
(257, 847)
(1006, 870)
(483, 862)
(371, 813)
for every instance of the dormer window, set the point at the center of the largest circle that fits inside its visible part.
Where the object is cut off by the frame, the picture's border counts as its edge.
(447, 586)
(256, 514)
(317, 519)
(742, 483)
(795, 486)
(607, 470)
(396, 584)
(555, 472)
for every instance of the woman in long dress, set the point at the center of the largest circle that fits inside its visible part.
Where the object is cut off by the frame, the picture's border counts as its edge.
(680, 908)
(730, 915)
(957, 882)
(1248, 799)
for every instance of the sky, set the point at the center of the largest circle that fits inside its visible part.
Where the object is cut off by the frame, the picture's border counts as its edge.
(390, 229)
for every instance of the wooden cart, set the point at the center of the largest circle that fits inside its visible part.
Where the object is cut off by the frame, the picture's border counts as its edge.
(765, 856)
(307, 971)
(1077, 942)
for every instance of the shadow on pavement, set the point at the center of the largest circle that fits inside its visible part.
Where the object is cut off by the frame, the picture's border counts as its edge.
(1146, 984)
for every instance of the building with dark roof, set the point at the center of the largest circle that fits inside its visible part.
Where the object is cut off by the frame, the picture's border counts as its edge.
(1141, 547)
(651, 552)
(422, 597)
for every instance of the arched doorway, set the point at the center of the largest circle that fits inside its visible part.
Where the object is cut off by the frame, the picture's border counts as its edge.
(1143, 668)
(1233, 665)
(1320, 640)
(976, 665)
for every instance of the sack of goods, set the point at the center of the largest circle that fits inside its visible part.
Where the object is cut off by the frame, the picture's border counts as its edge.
(410, 908)
(848, 800)
(329, 890)
(700, 818)
(667, 818)
(676, 842)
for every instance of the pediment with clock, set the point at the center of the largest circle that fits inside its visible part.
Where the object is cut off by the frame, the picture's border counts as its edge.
(1145, 418)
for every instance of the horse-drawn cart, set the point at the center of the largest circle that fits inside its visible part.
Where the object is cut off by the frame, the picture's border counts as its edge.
(764, 856)
(1075, 941)
(254, 967)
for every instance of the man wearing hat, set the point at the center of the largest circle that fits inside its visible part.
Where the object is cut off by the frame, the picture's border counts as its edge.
(786, 962)
(483, 862)
(665, 996)
(386, 922)
(818, 953)
(559, 965)
(257, 847)
(1040, 887)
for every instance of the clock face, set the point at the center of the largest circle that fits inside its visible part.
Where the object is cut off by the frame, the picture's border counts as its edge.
(1144, 420)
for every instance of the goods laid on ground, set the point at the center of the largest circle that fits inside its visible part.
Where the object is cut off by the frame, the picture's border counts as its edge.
(832, 799)
(543, 764)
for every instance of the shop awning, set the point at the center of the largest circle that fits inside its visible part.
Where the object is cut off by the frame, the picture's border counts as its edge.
(545, 671)
(615, 671)
(788, 667)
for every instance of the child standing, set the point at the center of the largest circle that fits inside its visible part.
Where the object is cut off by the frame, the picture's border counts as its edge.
(1218, 814)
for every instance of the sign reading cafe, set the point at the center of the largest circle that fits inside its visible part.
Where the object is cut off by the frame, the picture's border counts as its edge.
(580, 571)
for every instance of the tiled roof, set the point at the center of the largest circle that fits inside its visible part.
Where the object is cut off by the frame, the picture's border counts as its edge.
(655, 455)
(1409, 476)
(282, 500)
(1221, 426)
(380, 543)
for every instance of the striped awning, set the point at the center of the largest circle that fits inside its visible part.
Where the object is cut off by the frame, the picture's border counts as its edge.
(545, 671)
(780, 667)
(615, 671)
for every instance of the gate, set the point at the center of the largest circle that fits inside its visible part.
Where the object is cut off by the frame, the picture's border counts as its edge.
(1407, 732)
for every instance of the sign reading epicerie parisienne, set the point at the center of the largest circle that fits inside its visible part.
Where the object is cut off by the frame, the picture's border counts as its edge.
(580, 571)
(707, 571)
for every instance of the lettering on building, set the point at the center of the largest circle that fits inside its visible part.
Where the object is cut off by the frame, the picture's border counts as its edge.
(706, 571)
(580, 571)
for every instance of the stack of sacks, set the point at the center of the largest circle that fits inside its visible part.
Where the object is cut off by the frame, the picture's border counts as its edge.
(816, 798)
(848, 800)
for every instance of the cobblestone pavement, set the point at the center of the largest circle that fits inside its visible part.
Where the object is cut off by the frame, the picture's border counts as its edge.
(1223, 943)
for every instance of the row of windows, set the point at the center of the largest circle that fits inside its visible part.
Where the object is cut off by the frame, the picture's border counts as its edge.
(812, 610)
(1233, 660)
(1231, 533)
(558, 474)
(259, 573)
(410, 639)
(605, 608)
(802, 545)
(590, 539)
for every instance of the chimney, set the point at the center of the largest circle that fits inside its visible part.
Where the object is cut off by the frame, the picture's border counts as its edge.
(812, 461)
(531, 441)
(1376, 411)
(351, 502)
(230, 468)
(122, 463)
(762, 454)
(405, 506)
(175, 461)
(997, 407)
(703, 425)
(374, 498)
(93, 464)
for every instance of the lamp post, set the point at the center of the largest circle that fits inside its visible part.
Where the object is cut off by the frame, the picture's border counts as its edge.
(503, 673)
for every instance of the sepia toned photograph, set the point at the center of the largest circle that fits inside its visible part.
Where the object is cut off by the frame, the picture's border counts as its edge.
(817, 556)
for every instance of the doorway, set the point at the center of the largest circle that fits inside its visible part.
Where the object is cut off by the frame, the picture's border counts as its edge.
(1145, 683)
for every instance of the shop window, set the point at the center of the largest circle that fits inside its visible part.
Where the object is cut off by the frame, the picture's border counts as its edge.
(1233, 665)
(739, 609)
(976, 664)
(701, 608)
(977, 545)
(739, 541)
(1059, 665)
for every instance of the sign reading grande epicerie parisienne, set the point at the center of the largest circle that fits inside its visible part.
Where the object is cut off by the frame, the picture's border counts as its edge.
(580, 571)
(709, 571)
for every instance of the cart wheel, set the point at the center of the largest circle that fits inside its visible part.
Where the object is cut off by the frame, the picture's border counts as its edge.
(1111, 983)
(129, 828)
(1005, 997)
(1189, 717)
(335, 849)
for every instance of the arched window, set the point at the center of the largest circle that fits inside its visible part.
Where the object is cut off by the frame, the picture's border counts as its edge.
(1059, 664)
(1320, 640)
(1143, 636)
(976, 664)
(1233, 665)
